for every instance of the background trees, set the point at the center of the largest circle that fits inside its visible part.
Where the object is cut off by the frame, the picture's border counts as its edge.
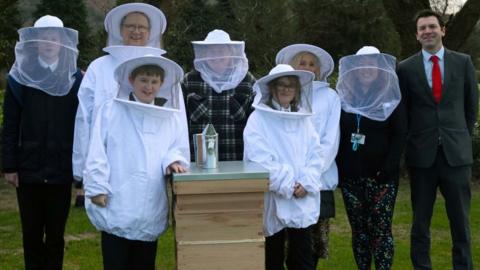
(339, 26)
(9, 23)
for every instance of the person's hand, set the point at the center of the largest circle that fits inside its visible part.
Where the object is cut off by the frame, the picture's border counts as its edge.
(299, 191)
(175, 167)
(12, 179)
(100, 200)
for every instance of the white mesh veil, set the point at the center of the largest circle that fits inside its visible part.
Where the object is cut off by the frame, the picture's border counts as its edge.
(46, 59)
(368, 85)
(169, 93)
(265, 85)
(156, 19)
(288, 54)
(222, 63)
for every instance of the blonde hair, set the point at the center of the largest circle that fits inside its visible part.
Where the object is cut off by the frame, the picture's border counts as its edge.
(295, 62)
(295, 81)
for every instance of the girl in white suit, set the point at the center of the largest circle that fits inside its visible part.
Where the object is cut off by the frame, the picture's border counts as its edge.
(326, 107)
(280, 136)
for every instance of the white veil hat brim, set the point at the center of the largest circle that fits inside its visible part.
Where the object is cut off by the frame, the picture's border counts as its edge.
(158, 22)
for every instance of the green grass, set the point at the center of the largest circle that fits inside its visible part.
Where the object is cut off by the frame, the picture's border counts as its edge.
(83, 244)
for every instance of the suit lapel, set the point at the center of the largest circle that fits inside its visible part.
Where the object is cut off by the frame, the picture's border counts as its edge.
(447, 75)
(420, 70)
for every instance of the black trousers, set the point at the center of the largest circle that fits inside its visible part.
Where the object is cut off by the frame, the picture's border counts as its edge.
(123, 254)
(454, 184)
(43, 214)
(300, 252)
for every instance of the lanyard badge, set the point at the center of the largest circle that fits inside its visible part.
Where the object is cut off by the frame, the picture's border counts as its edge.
(357, 138)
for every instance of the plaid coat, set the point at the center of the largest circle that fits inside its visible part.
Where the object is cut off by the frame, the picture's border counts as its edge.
(227, 111)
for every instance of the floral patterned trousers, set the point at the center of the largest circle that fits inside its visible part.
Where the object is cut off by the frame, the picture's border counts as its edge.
(369, 206)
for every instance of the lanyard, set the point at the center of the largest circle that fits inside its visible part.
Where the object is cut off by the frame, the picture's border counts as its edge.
(356, 142)
(359, 117)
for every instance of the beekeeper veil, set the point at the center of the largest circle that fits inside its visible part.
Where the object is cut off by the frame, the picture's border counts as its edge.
(144, 31)
(134, 86)
(222, 63)
(368, 85)
(285, 92)
(46, 56)
(292, 55)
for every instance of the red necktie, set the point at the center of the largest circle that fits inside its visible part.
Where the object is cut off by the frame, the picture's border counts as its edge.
(436, 79)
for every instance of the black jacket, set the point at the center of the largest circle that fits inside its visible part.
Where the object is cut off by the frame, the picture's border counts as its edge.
(450, 122)
(37, 137)
(381, 152)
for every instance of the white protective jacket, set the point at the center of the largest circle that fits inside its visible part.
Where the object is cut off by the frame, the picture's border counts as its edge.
(99, 85)
(326, 119)
(130, 148)
(286, 145)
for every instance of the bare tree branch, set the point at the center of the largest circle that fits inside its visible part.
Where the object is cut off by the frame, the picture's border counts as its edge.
(461, 26)
(401, 12)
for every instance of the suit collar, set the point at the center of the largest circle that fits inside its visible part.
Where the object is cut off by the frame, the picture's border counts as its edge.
(420, 70)
(440, 54)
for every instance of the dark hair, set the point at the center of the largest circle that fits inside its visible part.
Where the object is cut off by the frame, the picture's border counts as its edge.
(428, 13)
(295, 81)
(149, 70)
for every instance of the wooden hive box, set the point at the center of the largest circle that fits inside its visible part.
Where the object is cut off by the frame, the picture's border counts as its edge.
(218, 217)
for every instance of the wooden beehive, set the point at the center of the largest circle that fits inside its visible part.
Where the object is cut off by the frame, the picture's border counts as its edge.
(218, 217)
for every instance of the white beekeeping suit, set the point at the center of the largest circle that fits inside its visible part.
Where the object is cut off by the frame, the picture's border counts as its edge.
(98, 84)
(326, 107)
(132, 144)
(286, 144)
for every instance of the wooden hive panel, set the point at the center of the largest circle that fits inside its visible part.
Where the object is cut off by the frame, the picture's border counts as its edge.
(223, 202)
(221, 256)
(219, 186)
(219, 226)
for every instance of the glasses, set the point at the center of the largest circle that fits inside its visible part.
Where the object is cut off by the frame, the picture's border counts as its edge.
(139, 28)
(285, 87)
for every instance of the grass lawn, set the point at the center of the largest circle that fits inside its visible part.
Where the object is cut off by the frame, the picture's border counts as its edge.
(83, 245)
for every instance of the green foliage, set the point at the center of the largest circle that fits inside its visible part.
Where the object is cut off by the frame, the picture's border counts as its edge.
(76, 20)
(476, 148)
(9, 23)
(471, 47)
(188, 25)
(342, 27)
(266, 27)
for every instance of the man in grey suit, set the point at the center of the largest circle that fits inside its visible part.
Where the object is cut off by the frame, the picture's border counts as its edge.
(440, 91)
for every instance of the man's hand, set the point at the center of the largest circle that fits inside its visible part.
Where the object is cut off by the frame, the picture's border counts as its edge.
(12, 179)
(175, 167)
(100, 200)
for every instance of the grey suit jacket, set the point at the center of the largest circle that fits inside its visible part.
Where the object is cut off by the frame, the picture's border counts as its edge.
(449, 123)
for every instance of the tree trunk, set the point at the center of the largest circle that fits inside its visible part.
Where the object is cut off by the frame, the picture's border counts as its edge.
(402, 12)
(461, 26)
